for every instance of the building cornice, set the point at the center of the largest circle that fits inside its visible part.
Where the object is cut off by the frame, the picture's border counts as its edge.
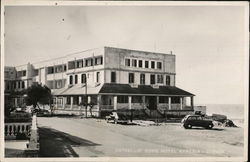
(117, 69)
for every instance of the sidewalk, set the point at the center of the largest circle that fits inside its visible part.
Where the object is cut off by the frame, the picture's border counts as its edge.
(15, 148)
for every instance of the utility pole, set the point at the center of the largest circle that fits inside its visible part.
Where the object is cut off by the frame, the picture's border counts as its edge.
(86, 97)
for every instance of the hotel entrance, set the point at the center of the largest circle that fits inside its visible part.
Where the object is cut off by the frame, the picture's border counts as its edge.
(151, 102)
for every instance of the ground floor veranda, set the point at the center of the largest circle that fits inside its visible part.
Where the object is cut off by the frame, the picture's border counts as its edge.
(112, 96)
(104, 102)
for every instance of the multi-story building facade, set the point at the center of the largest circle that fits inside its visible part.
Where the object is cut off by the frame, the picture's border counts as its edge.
(109, 78)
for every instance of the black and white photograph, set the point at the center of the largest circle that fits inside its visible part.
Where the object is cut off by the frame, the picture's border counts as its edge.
(129, 80)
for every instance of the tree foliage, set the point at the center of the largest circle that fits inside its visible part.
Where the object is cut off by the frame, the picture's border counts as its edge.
(9, 103)
(38, 94)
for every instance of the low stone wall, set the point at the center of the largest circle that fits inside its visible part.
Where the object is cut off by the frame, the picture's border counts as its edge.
(81, 112)
(137, 106)
(178, 113)
(126, 106)
(122, 106)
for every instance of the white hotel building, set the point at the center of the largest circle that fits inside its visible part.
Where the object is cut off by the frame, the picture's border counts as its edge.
(115, 79)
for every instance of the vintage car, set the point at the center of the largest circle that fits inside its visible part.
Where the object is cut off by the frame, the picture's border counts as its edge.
(119, 116)
(198, 121)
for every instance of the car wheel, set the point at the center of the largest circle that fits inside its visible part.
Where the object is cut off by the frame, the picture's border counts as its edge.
(210, 126)
(189, 126)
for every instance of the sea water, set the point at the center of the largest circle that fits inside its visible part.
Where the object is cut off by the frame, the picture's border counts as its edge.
(234, 112)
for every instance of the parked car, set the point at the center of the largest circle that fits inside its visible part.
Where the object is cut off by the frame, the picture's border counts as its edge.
(42, 112)
(112, 117)
(18, 116)
(196, 120)
(119, 116)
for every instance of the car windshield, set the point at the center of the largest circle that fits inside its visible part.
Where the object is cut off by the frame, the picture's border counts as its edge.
(199, 118)
(192, 118)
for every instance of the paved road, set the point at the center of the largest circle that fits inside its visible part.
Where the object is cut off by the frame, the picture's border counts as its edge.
(71, 137)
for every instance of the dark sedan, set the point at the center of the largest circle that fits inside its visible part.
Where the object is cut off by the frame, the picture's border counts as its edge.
(196, 120)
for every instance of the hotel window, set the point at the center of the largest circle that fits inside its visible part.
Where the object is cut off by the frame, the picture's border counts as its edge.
(83, 79)
(152, 79)
(86, 62)
(59, 101)
(113, 77)
(159, 78)
(68, 100)
(122, 99)
(134, 62)
(58, 69)
(136, 99)
(89, 62)
(36, 72)
(98, 60)
(84, 99)
(51, 84)
(79, 63)
(56, 83)
(22, 73)
(140, 63)
(59, 84)
(93, 99)
(75, 100)
(127, 62)
(23, 84)
(163, 99)
(54, 100)
(175, 100)
(76, 79)
(168, 80)
(70, 79)
(50, 70)
(71, 65)
(65, 67)
(152, 64)
(146, 64)
(131, 78)
(159, 65)
(19, 84)
(97, 77)
(142, 78)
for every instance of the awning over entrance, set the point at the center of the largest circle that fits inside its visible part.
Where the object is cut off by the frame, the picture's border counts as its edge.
(112, 88)
(58, 91)
(78, 89)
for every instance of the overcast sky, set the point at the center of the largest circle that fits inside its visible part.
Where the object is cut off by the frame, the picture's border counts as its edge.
(208, 41)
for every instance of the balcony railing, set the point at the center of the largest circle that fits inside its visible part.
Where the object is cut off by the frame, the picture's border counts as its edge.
(13, 129)
(107, 107)
(67, 106)
(187, 108)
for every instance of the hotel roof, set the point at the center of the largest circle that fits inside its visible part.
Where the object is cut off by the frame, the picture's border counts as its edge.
(112, 88)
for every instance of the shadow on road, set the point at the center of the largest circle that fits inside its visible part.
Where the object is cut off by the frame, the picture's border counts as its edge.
(54, 143)
(213, 129)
